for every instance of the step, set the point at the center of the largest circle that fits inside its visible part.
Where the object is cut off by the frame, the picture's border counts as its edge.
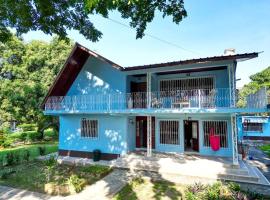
(239, 178)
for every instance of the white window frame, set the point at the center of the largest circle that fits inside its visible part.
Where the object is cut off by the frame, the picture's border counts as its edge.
(247, 131)
(89, 137)
(159, 133)
(227, 128)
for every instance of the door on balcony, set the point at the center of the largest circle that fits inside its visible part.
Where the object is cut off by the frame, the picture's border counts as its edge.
(141, 132)
(191, 131)
(138, 94)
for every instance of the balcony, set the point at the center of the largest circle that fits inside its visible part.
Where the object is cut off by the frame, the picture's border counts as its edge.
(169, 100)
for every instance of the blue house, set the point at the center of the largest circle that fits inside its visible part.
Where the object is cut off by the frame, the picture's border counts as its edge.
(253, 127)
(165, 107)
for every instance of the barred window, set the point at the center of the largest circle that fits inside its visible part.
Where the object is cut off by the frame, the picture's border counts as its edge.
(169, 132)
(89, 128)
(256, 127)
(219, 128)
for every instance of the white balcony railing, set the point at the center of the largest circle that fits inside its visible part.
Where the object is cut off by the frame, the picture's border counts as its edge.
(199, 98)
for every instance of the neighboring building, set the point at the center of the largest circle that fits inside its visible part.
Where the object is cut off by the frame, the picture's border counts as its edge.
(253, 127)
(165, 107)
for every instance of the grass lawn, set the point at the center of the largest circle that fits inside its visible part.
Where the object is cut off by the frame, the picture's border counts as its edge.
(266, 149)
(33, 176)
(33, 149)
(156, 190)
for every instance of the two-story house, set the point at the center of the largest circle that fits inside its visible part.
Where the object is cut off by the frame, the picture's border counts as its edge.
(166, 107)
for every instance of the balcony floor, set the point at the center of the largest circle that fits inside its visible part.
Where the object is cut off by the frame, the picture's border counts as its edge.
(159, 111)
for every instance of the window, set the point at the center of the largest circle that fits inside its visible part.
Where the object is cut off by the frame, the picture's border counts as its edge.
(219, 128)
(89, 128)
(257, 127)
(187, 84)
(169, 132)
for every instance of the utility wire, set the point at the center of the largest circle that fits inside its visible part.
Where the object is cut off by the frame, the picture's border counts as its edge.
(156, 38)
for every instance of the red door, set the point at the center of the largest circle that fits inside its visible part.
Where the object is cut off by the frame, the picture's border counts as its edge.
(141, 132)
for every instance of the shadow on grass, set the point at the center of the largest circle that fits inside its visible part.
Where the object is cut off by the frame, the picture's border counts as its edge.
(128, 192)
(165, 189)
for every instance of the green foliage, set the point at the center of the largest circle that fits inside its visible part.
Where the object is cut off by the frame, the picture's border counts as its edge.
(32, 136)
(76, 182)
(258, 80)
(27, 70)
(56, 17)
(28, 127)
(10, 158)
(26, 153)
(42, 150)
(96, 169)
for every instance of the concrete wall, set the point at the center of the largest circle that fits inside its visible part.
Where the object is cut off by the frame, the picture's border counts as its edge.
(202, 149)
(97, 77)
(112, 132)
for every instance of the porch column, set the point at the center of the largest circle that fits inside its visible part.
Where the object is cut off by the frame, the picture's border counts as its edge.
(149, 136)
(234, 140)
(148, 87)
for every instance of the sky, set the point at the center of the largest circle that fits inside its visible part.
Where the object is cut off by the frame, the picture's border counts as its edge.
(210, 27)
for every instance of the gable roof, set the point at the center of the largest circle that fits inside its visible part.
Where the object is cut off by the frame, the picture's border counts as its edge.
(71, 69)
(80, 54)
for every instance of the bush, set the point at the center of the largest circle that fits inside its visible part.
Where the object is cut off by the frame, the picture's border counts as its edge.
(42, 150)
(10, 158)
(23, 136)
(26, 155)
(50, 134)
(7, 143)
(32, 136)
(76, 182)
(15, 135)
(28, 127)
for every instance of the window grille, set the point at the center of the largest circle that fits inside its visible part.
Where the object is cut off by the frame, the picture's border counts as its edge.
(256, 127)
(169, 132)
(89, 128)
(220, 128)
(187, 84)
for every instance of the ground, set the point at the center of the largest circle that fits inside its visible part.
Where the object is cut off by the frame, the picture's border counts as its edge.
(260, 158)
(141, 188)
(34, 175)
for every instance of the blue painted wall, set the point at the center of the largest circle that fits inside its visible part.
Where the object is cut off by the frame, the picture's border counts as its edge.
(117, 134)
(97, 77)
(241, 132)
(112, 132)
(227, 152)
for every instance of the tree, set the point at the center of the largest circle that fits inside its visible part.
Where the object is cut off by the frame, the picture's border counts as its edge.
(258, 80)
(57, 16)
(26, 72)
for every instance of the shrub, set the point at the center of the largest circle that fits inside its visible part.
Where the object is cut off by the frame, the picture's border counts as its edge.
(42, 150)
(10, 158)
(23, 136)
(32, 136)
(26, 155)
(15, 136)
(7, 143)
(50, 164)
(17, 158)
(76, 182)
(28, 127)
